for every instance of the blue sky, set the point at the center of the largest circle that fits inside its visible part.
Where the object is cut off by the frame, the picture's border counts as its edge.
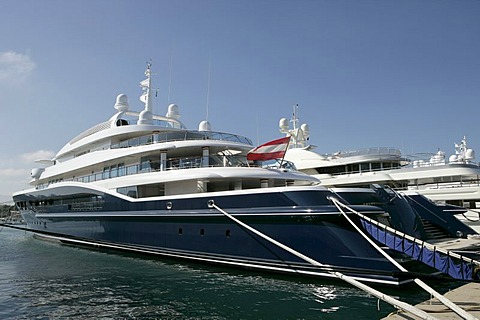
(383, 73)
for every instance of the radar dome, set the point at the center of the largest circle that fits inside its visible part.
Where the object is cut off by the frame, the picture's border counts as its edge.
(306, 130)
(283, 124)
(453, 158)
(173, 111)
(470, 154)
(36, 172)
(204, 126)
(145, 117)
(122, 102)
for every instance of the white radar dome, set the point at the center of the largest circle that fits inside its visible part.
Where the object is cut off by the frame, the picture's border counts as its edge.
(283, 124)
(173, 111)
(470, 154)
(306, 130)
(36, 172)
(453, 158)
(204, 126)
(122, 102)
(145, 117)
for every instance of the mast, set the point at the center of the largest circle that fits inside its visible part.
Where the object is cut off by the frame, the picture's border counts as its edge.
(298, 134)
(146, 86)
(146, 117)
(294, 132)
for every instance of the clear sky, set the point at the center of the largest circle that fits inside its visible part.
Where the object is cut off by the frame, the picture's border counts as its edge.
(365, 73)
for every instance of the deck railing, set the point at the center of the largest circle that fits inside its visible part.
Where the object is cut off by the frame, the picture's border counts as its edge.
(173, 164)
(181, 136)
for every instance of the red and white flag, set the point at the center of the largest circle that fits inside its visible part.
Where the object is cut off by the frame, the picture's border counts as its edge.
(271, 150)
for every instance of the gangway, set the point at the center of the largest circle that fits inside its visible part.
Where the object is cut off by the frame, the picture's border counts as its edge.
(458, 266)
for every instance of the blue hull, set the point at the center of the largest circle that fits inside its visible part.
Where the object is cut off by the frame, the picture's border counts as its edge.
(193, 231)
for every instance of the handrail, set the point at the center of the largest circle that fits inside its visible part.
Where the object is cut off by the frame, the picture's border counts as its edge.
(366, 151)
(180, 136)
(427, 209)
(172, 164)
(386, 169)
(150, 166)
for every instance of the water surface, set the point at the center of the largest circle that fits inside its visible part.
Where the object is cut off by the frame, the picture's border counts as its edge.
(47, 280)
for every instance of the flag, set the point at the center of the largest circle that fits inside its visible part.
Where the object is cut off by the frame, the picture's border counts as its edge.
(271, 150)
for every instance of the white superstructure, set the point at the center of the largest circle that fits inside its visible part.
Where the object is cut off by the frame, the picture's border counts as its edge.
(138, 153)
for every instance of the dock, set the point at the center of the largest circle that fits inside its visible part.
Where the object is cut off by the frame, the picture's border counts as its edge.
(466, 297)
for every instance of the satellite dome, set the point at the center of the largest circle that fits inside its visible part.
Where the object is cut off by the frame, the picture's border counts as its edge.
(145, 117)
(453, 158)
(122, 102)
(36, 172)
(173, 111)
(306, 130)
(283, 124)
(204, 126)
(470, 154)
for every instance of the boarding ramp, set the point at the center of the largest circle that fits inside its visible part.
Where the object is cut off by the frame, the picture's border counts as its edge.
(464, 266)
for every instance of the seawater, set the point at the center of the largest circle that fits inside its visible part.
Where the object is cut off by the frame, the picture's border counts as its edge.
(48, 280)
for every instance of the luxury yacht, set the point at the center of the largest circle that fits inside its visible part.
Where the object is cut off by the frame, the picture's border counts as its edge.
(145, 183)
(455, 181)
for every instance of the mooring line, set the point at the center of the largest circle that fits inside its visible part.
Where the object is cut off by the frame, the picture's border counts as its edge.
(394, 302)
(448, 303)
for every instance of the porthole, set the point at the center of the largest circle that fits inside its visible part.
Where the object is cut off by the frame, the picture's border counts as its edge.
(227, 233)
(180, 231)
(169, 205)
(202, 232)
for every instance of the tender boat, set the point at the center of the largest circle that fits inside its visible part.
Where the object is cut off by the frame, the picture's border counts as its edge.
(144, 182)
(455, 181)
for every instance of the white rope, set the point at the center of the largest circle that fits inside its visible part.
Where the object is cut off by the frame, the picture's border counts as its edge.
(462, 313)
(394, 302)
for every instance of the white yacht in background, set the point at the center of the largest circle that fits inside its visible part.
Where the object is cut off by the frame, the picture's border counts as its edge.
(455, 181)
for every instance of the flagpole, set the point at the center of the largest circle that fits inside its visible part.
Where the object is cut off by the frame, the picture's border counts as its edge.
(288, 144)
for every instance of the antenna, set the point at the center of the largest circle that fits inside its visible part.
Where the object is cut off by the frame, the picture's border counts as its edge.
(208, 86)
(170, 75)
(294, 132)
(294, 118)
(258, 143)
